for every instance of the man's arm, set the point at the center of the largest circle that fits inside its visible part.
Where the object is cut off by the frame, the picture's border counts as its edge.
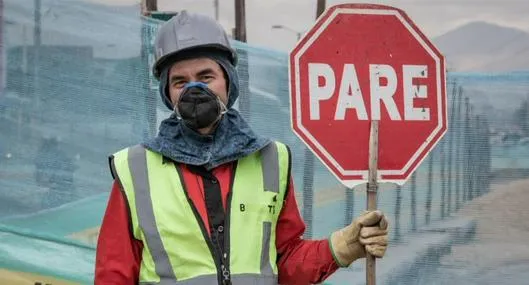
(300, 261)
(118, 254)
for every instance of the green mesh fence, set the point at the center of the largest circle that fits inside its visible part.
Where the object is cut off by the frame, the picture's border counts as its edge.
(76, 87)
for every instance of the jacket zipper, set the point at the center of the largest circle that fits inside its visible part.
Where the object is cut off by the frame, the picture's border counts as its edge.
(226, 255)
(207, 238)
(227, 219)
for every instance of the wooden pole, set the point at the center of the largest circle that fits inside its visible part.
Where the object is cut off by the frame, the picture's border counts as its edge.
(372, 189)
(239, 34)
(320, 8)
(150, 5)
(216, 5)
(147, 7)
(240, 20)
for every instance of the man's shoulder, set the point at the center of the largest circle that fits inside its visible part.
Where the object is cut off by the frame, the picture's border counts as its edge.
(135, 148)
(125, 152)
(278, 143)
(119, 151)
(279, 149)
(281, 145)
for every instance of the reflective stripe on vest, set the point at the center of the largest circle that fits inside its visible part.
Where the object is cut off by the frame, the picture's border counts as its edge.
(244, 268)
(140, 179)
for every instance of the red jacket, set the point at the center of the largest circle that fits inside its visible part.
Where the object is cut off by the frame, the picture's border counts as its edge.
(299, 261)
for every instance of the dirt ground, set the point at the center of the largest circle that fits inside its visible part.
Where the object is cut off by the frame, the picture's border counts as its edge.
(501, 244)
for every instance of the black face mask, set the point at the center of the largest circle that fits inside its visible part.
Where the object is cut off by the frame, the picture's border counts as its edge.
(198, 106)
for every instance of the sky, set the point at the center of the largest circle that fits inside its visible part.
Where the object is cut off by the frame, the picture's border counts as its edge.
(433, 17)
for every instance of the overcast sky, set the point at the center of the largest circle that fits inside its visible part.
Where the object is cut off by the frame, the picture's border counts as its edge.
(434, 17)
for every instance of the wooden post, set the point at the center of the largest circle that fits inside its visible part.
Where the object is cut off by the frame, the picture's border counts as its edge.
(239, 34)
(240, 20)
(372, 189)
(216, 6)
(150, 5)
(149, 130)
(320, 8)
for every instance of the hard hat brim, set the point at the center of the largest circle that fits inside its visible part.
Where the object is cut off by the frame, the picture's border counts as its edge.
(190, 52)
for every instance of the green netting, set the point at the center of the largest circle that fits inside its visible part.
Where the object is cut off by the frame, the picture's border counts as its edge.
(77, 88)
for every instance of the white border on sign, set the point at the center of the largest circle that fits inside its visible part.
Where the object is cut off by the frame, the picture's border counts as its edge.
(320, 148)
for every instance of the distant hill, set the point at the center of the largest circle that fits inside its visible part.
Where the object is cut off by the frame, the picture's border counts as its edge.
(481, 46)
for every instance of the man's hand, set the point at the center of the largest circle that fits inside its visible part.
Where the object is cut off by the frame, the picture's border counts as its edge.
(367, 232)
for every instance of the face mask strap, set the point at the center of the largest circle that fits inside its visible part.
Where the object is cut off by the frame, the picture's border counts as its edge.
(175, 111)
(223, 108)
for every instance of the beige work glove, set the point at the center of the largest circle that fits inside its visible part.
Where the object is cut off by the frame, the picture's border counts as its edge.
(366, 232)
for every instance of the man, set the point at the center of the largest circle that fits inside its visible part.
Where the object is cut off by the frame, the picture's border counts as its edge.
(208, 201)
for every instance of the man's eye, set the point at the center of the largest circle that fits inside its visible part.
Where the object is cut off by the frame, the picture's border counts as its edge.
(179, 83)
(207, 77)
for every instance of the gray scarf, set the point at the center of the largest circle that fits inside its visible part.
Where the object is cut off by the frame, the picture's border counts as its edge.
(232, 139)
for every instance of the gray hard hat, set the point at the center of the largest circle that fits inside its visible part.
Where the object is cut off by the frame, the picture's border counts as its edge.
(186, 32)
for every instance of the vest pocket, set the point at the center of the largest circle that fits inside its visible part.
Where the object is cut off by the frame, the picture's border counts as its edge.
(264, 211)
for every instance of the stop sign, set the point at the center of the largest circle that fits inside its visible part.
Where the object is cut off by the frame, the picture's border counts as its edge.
(360, 63)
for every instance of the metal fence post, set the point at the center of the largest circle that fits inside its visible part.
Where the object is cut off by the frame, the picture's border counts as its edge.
(308, 191)
(488, 155)
(443, 180)
(428, 205)
(468, 151)
(397, 212)
(458, 159)
(452, 135)
(349, 205)
(413, 203)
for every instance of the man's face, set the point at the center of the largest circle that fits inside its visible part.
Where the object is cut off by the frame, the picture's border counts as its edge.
(199, 70)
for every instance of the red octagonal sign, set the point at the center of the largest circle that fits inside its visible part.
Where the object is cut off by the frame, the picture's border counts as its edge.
(361, 63)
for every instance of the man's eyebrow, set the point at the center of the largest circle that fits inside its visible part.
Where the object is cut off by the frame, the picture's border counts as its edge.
(176, 78)
(205, 72)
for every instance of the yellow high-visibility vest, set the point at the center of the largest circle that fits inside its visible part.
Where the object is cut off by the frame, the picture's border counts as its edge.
(177, 248)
